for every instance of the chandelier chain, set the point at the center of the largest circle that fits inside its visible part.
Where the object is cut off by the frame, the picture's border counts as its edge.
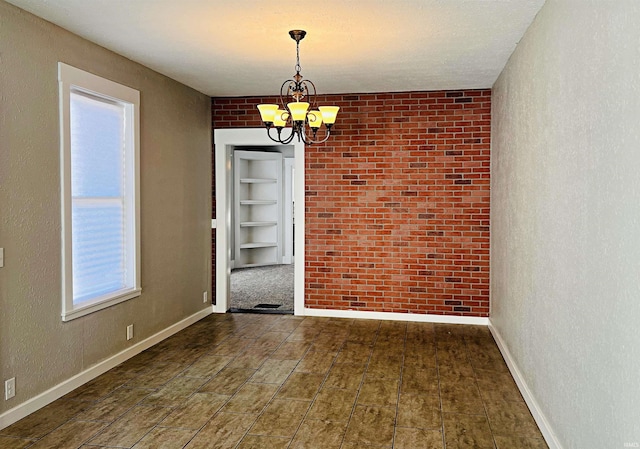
(298, 68)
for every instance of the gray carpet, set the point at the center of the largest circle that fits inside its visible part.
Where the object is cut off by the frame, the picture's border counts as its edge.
(262, 286)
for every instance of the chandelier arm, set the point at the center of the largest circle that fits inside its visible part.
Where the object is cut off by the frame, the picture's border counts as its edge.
(310, 141)
(311, 95)
(279, 139)
(288, 139)
(269, 134)
(282, 92)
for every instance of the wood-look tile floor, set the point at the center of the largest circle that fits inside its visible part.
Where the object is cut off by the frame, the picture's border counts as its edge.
(279, 381)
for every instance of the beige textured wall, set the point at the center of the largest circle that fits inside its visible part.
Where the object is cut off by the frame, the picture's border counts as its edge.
(565, 218)
(35, 345)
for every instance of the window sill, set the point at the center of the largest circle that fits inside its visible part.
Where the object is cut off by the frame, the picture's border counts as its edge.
(99, 304)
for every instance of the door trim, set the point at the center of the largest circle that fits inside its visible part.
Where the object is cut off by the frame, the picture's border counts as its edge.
(224, 142)
(288, 208)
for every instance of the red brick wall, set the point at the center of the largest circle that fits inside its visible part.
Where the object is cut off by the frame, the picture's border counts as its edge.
(397, 201)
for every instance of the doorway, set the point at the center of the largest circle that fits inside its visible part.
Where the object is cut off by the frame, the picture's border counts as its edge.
(226, 142)
(262, 269)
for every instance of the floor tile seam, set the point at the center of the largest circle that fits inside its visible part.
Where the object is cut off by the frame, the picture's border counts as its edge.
(250, 434)
(276, 323)
(98, 446)
(97, 420)
(439, 428)
(246, 432)
(244, 350)
(159, 387)
(298, 359)
(77, 415)
(264, 383)
(194, 434)
(83, 442)
(442, 426)
(398, 394)
(502, 371)
(36, 439)
(387, 407)
(197, 431)
(484, 404)
(276, 394)
(201, 427)
(269, 358)
(160, 426)
(153, 426)
(313, 400)
(31, 440)
(515, 401)
(530, 419)
(290, 399)
(355, 403)
(160, 401)
(94, 401)
(325, 420)
(371, 404)
(99, 398)
(206, 377)
(124, 387)
(30, 445)
(235, 353)
(464, 413)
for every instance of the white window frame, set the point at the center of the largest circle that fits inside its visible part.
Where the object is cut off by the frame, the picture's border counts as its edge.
(70, 80)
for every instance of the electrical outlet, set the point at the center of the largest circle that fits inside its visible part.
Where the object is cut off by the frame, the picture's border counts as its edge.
(205, 298)
(9, 388)
(130, 332)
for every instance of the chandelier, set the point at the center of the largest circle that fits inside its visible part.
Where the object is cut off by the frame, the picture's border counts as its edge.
(295, 113)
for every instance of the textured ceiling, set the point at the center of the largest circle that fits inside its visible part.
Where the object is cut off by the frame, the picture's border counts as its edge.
(242, 47)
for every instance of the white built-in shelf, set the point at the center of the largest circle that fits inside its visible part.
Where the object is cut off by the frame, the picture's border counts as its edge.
(258, 180)
(258, 245)
(255, 202)
(258, 210)
(248, 224)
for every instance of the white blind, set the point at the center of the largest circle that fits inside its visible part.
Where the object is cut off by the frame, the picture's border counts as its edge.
(98, 220)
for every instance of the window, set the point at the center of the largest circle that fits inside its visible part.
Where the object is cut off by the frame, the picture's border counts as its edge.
(100, 192)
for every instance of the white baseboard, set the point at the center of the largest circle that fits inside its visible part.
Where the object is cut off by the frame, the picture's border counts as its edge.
(31, 405)
(534, 407)
(395, 316)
